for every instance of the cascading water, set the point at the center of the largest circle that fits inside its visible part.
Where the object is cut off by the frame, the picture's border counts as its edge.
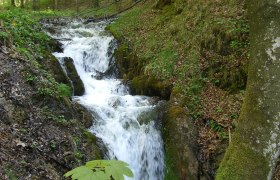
(125, 123)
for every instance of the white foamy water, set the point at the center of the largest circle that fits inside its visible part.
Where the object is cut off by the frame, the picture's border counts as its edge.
(125, 123)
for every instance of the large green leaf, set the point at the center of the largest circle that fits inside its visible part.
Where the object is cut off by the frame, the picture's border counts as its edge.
(84, 173)
(79, 171)
(101, 170)
(118, 169)
(96, 164)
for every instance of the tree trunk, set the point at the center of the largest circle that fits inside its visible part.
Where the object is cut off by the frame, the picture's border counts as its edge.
(22, 3)
(13, 3)
(77, 6)
(34, 5)
(54, 4)
(255, 146)
(95, 3)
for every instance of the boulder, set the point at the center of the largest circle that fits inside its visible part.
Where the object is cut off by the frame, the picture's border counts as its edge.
(78, 86)
(179, 136)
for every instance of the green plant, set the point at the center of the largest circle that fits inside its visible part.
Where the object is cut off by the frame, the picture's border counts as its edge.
(53, 145)
(45, 91)
(218, 128)
(30, 78)
(63, 90)
(219, 110)
(101, 170)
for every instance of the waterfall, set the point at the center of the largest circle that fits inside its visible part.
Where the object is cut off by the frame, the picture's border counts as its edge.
(126, 124)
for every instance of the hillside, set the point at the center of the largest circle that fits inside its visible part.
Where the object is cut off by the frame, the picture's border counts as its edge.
(200, 50)
(43, 134)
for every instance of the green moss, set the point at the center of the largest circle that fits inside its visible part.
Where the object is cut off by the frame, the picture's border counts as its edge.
(146, 85)
(171, 43)
(72, 73)
(89, 136)
(170, 169)
(178, 136)
(242, 162)
(171, 151)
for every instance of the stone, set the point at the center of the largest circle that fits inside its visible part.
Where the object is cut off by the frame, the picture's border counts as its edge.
(78, 86)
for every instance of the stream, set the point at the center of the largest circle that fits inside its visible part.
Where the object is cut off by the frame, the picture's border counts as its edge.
(128, 126)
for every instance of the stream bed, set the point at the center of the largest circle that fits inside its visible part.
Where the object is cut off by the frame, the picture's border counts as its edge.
(129, 126)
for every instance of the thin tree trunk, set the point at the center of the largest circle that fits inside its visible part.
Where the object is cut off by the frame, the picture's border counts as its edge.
(22, 3)
(54, 4)
(13, 3)
(34, 5)
(77, 6)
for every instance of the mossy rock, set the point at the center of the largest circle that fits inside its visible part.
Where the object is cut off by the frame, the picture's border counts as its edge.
(53, 66)
(161, 3)
(72, 73)
(145, 85)
(86, 117)
(180, 136)
(131, 68)
(55, 45)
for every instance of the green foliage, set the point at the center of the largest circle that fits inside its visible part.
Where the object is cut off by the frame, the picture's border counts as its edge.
(53, 145)
(23, 28)
(3, 35)
(30, 78)
(49, 87)
(50, 115)
(101, 169)
(45, 91)
(218, 128)
(63, 90)
(172, 42)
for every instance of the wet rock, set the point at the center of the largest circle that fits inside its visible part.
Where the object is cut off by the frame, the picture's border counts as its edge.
(79, 88)
(56, 46)
(98, 75)
(57, 70)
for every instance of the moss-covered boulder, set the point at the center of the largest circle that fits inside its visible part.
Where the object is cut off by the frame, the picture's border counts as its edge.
(145, 85)
(179, 136)
(56, 46)
(255, 146)
(130, 68)
(161, 3)
(56, 69)
(78, 86)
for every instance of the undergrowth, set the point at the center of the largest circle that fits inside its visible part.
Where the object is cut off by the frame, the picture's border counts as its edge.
(22, 33)
(172, 41)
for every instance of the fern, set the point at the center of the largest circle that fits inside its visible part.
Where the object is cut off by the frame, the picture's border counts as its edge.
(101, 170)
